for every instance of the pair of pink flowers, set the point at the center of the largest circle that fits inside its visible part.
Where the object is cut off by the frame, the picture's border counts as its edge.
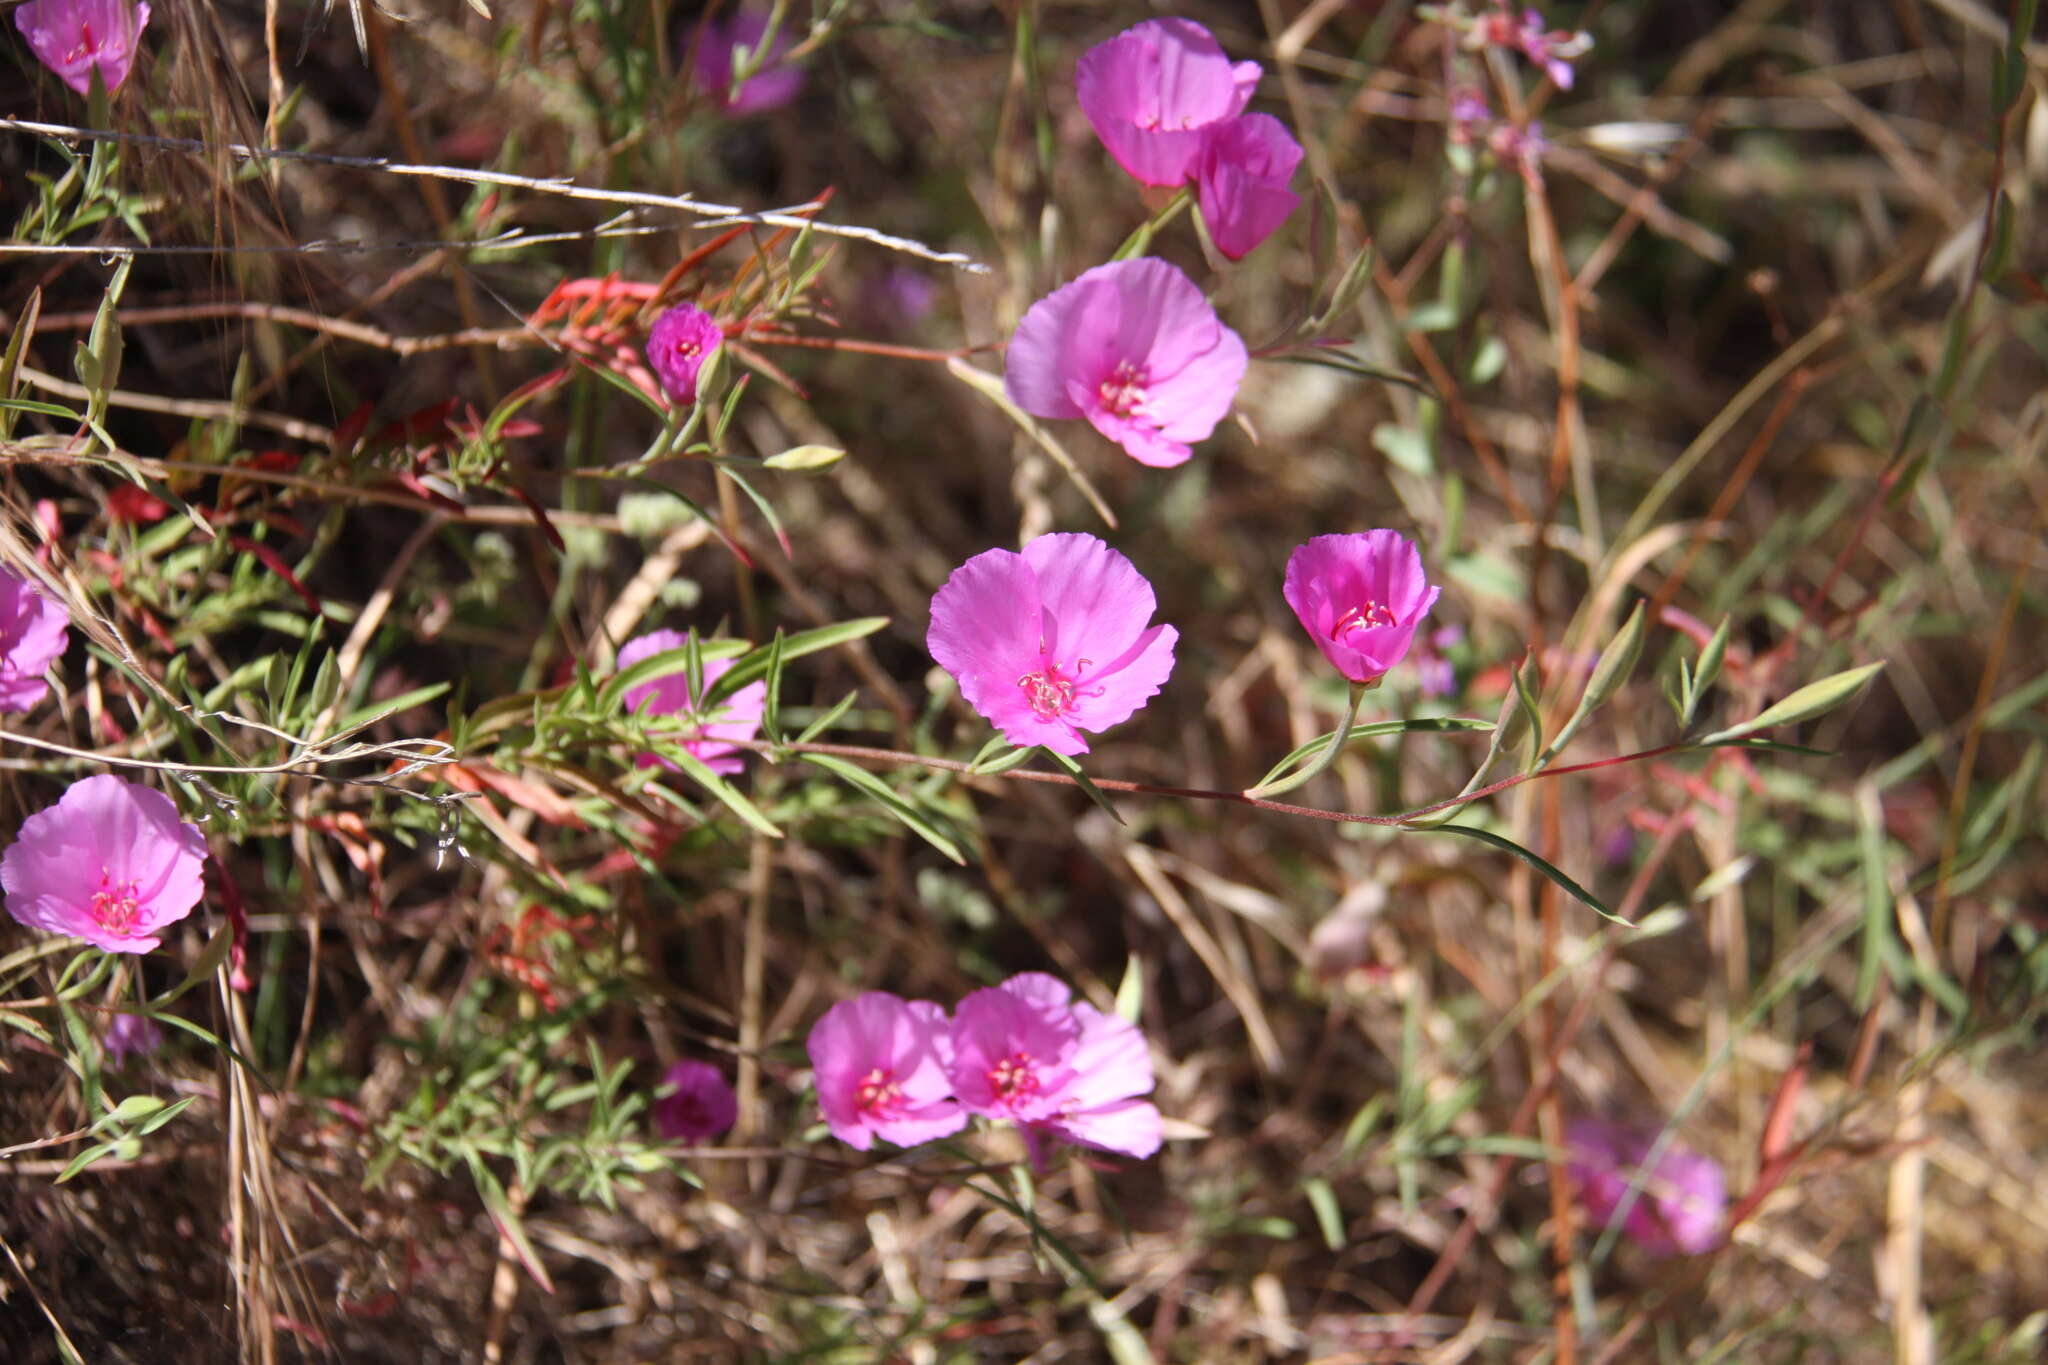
(1024, 1052)
(1169, 106)
(75, 38)
(1056, 641)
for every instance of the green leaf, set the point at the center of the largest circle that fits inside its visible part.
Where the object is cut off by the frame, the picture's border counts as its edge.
(805, 459)
(1816, 698)
(1528, 714)
(829, 719)
(1329, 1217)
(10, 359)
(1703, 674)
(500, 1209)
(1617, 661)
(890, 799)
(1082, 781)
(369, 715)
(1570, 887)
(694, 768)
(755, 664)
(1429, 724)
(1405, 446)
(86, 1158)
(610, 696)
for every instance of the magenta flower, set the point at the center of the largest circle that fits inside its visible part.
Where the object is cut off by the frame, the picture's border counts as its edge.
(1241, 181)
(1152, 90)
(1679, 1204)
(130, 1035)
(703, 735)
(678, 345)
(110, 863)
(1053, 641)
(772, 83)
(1360, 597)
(699, 1105)
(72, 37)
(1133, 347)
(880, 1066)
(1056, 1069)
(33, 632)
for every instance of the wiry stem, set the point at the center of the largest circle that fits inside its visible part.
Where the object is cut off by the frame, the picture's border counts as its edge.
(1322, 760)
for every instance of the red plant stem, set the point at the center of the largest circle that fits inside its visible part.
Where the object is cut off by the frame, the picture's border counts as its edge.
(1111, 784)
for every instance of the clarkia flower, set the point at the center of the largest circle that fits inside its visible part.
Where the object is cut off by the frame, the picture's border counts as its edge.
(678, 345)
(1679, 1204)
(773, 82)
(110, 863)
(33, 632)
(880, 1066)
(1360, 598)
(700, 1103)
(1022, 1051)
(130, 1035)
(1133, 347)
(1152, 91)
(72, 37)
(704, 734)
(1241, 181)
(1053, 641)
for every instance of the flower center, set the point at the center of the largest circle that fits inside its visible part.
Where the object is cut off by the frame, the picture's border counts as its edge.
(688, 349)
(114, 905)
(1367, 617)
(878, 1092)
(1122, 391)
(1049, 690)
(1014, 1077)
(88, 46)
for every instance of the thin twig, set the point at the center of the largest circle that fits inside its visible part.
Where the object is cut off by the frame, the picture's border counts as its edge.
(792, 217)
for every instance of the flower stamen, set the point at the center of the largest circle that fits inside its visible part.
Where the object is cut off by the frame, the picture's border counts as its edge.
(115, 904)
(1123, 390)
(1372, 614)
(878, 1092)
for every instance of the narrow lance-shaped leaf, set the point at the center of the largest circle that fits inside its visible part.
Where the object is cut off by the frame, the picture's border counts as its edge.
(1705, 672)
(1816, 698)
(1617, 662)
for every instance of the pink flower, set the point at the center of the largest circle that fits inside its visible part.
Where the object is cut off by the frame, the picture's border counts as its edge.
(33, 632)
(1133, 347)
(1062, 1070)
(110, 863)
(703, 734)
(1679, 1204)
(1053, 641)
(880, 1066)
(1360, 598)
(772, 83)
(130, 1035)
(1241, 181)
(1150, 92)
(678, 344)
(72, 37)
(699, 1105)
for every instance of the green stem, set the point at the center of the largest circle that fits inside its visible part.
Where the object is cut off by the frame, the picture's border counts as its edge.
(1321, 760)
(1137, 242)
